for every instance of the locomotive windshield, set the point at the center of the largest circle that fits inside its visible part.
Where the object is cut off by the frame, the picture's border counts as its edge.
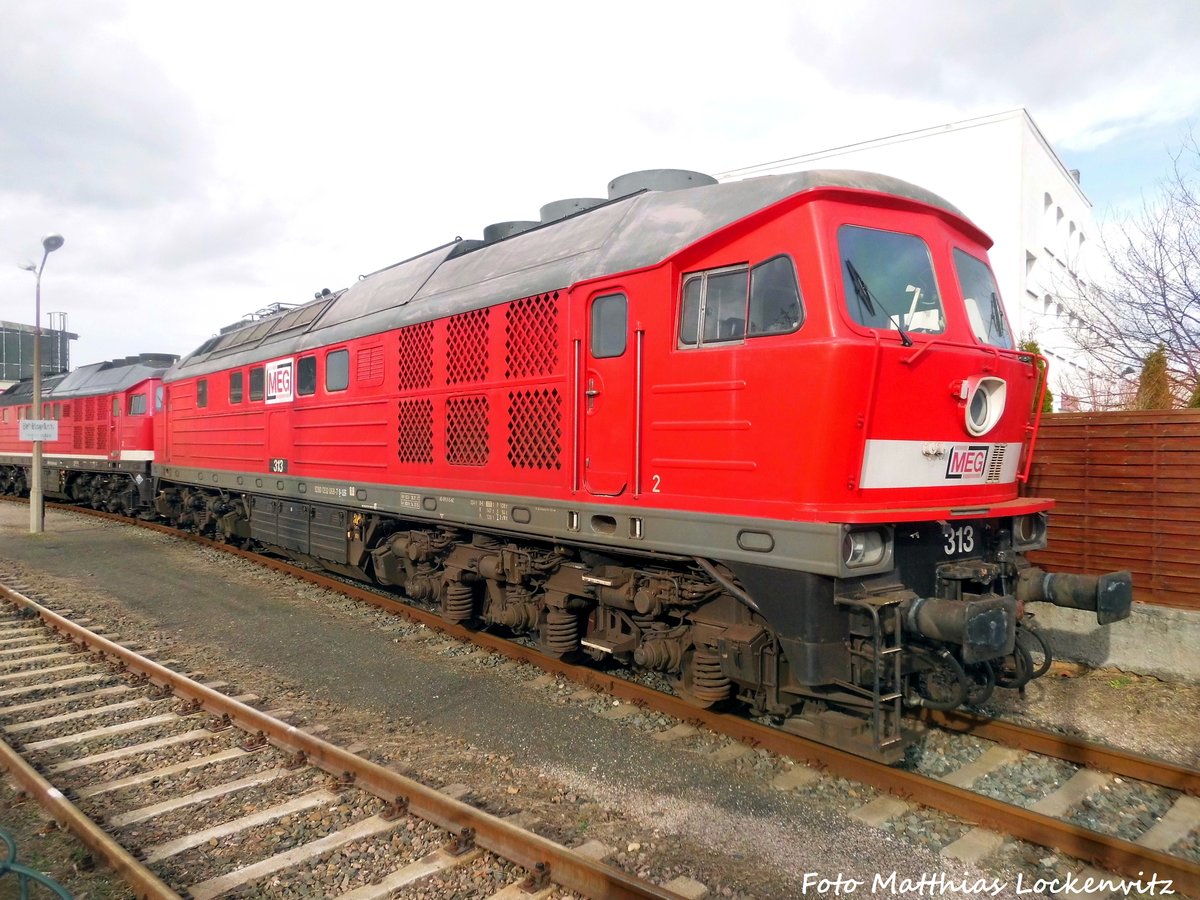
(888, 281)
(982, 300)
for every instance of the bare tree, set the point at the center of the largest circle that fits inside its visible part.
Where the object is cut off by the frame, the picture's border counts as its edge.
(1151, 293)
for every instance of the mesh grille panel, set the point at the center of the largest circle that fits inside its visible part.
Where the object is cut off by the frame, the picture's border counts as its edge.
(416, 431)
(531, 336)
(535, 429)
(467, 431)
(416, 356)
(466, 347)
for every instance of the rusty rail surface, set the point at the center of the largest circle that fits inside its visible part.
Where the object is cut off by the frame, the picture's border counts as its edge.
(1070, 748)
(528, 850)
(1108, 852)
(144, 882)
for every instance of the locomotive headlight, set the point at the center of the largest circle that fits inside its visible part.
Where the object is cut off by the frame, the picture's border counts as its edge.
(984, 403)
(1029, 532)
(865, 547)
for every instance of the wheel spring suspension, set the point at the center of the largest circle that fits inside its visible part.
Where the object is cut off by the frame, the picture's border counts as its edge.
(708, 681)
(561, 632)
(459, 604)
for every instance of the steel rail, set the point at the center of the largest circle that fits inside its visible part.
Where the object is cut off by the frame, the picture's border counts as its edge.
(528, 850)
(1106, 851)
(1070, 748)
(146, 885)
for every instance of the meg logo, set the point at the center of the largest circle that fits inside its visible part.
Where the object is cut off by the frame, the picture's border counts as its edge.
(279, 381)
(967, 462)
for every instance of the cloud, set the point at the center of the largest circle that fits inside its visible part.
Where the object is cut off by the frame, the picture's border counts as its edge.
(1087, 68)
(88, 117)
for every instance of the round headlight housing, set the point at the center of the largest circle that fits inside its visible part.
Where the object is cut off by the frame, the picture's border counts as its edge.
(985, 403)
(865, 547)
(1029, 530)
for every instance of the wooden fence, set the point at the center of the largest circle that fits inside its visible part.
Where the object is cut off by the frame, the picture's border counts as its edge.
(1127, 487)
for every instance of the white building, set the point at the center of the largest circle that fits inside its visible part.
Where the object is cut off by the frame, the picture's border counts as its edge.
(1004, 175)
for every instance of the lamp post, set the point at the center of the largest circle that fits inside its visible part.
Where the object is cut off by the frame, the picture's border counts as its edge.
(50, 243)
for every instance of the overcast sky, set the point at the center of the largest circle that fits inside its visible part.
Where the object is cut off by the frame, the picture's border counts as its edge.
(206, 160)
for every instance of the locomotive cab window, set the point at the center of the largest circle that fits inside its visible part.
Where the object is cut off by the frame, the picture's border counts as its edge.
(116, 407)
(306, 376)
(733, 303)
(610, 325)
(337, 370)
(257, 383)
(235, 387)
(888, 281)
(158, 397)
(137, 405)
(982, 300)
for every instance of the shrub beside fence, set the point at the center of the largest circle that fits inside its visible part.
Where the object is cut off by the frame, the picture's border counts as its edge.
(1127, 487)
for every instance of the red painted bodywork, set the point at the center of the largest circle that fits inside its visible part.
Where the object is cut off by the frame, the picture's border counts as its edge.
(770, 427)
(98, 427)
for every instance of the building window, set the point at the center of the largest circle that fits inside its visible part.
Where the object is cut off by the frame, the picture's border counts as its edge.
(337, 370)
(258, 382)
(306, 376)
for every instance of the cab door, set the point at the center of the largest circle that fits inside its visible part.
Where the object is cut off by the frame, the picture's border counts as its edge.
(609, 396)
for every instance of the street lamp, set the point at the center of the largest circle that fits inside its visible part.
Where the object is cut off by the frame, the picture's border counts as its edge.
(50, 243)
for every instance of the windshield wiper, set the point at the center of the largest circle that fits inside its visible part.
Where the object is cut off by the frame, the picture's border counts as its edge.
(997, 316)
(867, 299)
(860, 288)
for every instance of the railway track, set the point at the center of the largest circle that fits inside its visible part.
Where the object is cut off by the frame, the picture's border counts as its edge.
(188, 792)
(1050, 821)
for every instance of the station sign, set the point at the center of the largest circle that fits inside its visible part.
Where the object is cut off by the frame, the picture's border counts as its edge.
(39, 430)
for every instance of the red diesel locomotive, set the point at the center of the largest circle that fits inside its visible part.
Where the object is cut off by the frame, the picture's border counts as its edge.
(763, 436)
(105, 443)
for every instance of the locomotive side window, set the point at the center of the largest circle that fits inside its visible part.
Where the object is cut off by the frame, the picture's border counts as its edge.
(257, 383)
(610, 325)
(235, 387)
(202, 393)
(306, 376)
(982, 300)
(159, 392)
(137, 405)
(116, 406)
(337, 370)
(732, 304)
(774, 298)
(714, 307)
(888, 281)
